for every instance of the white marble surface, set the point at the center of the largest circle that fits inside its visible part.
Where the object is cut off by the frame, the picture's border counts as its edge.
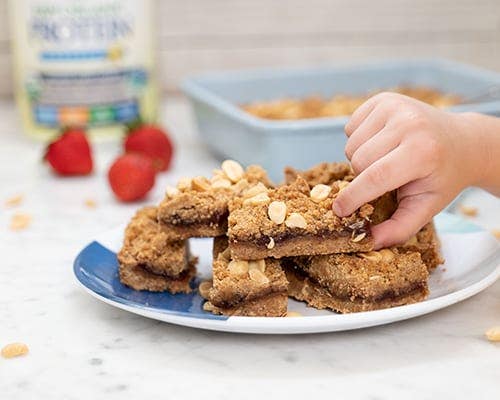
(83, 349)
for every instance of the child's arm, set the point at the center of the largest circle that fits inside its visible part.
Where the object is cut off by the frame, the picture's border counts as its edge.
(429, 155)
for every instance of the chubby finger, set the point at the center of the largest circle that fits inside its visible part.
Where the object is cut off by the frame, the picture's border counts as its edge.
(359, 115)
(375, 148)
(370, 127)
(382, 176)
(412, 214)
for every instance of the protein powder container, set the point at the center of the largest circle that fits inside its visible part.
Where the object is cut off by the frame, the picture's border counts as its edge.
(83, 63)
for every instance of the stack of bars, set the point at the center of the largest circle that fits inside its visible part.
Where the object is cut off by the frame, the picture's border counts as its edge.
(275, 242)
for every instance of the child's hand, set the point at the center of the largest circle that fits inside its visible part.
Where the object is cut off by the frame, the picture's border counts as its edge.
(429, 155)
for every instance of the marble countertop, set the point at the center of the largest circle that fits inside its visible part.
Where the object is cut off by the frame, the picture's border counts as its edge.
(81, 348)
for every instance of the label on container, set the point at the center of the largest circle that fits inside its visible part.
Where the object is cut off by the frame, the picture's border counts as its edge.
(83, 62)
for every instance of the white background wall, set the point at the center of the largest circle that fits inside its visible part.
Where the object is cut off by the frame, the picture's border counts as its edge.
(196, 35)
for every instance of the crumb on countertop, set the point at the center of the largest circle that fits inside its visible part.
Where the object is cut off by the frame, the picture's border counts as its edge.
(90, 203)
(468, 210)
(493, 334)
(19, 221)
(14, 201)
(12, 350)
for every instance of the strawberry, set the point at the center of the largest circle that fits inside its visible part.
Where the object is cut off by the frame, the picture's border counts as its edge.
(151, 141)
(131, 176)
(70, 153)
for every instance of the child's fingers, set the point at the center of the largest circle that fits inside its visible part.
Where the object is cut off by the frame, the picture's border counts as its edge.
(359, 115)
(411, 215)
(372, 124)
(382, 176)
(375, 148)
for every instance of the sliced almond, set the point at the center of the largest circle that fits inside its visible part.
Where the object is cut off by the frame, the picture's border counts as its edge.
(218, 173)
(172, 191)
(261, 198)
(358, 238)
(240, 186)
(493, 334)
(257, 264)
(90, 203)
(14, 350)
(374, 256)
(387, 255)
(496, 233)
(204, 288)
(200, 184)
(14, 201)
(255, 190)
(295, 220)
(207, 306)
(258, 276)
(233, 170)
(271, 244)
(277, 212)
(238, 267)
(221, 183)
(320, 192)
(292, 314)
(20, 221)
(375, 278)
(184, 184)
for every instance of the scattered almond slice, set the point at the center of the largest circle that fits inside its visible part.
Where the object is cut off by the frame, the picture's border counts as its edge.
(257, 264)
(184, 184)
(90, 203)
(468, 210)
(20, 221)
(271, 244)
(12, 350)
(218, 182)
(496, 233)
(295, 220)
(261, 198)
(292, 314)
(255, 190)
(277, 212)
(374, 256)
(258, 276)
(233, 170)
(358, 238)
(204, 288)
(387, 255)
(172, 191)
(200, 184)
(320, 192)
(14, 201)
(238, 267)
(493, 334)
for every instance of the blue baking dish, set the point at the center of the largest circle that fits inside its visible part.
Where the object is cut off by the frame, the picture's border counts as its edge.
(232, 133)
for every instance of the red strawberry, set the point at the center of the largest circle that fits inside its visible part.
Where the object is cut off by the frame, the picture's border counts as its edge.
(151, 141)
(131, 176)
(70, 153)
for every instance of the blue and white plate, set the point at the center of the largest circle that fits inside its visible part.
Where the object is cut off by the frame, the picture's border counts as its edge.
(472, 264)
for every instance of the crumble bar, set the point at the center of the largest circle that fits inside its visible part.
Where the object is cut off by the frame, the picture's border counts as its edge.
(150, 259)
(327, 173)
(425, 242)
(296, 220)
(198, 207)
(246, 288)
(349, 283)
